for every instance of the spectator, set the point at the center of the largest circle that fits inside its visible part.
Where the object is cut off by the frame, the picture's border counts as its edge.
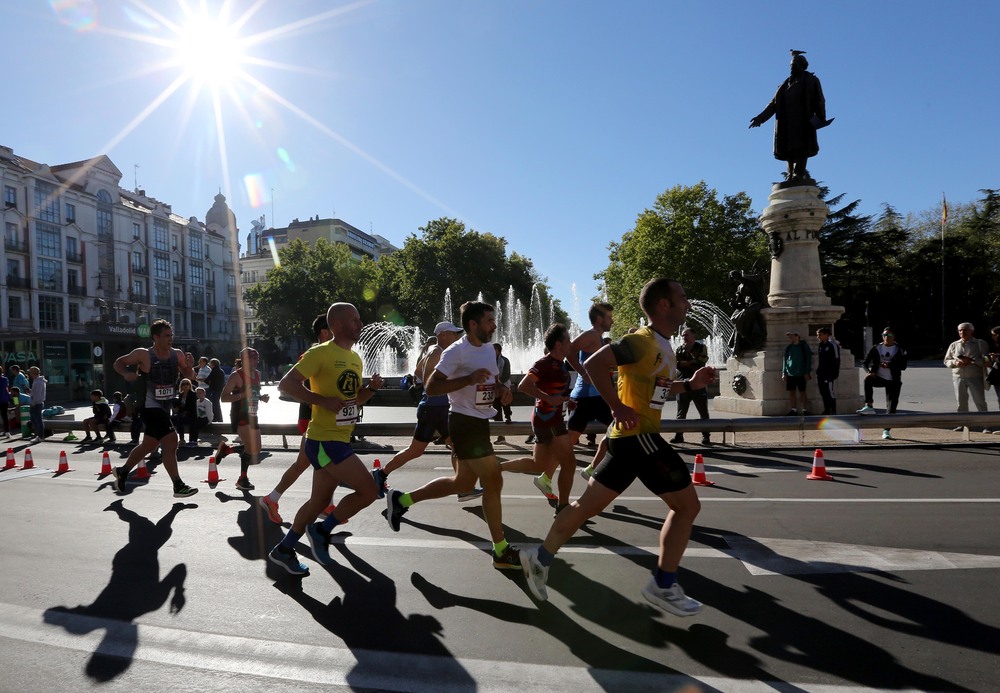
(203, 412)
(216, 380)
(885, 363)
(796, 369)
(503, 367)
(102, 417)
(185, 412)
(691, 356)
(18, 380)
(5, 403)
(827, 369)
(968, 358)
(38, 386)
(16, 398)
(119, 414)
(994, 377)
(202, 372)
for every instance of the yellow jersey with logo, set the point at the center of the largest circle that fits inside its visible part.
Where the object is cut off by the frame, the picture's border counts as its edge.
(332, 371)
(646, 367)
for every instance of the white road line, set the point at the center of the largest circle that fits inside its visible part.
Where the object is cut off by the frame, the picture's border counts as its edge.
(336, 666)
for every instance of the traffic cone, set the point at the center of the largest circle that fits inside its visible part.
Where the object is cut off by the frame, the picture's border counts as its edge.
(699, 478)
(819, 467)
(11, 462)
(213, 472)
(63, 463)
(29, 462)
(105, 465)
(141, 472)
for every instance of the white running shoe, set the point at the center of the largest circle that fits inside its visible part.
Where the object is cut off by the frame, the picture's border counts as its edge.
(672, 599)
(587, 472)
(866, 410)
(886, 435)
(536, 573)
(542, 485)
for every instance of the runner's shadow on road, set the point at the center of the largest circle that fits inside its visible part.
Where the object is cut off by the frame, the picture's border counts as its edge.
(258, 535)
(134, 589)
(369, 622)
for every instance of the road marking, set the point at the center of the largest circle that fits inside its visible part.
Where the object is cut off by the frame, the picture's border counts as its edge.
(338, 666)
(22, 473)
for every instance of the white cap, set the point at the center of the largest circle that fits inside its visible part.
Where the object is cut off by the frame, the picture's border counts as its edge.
(446, 327)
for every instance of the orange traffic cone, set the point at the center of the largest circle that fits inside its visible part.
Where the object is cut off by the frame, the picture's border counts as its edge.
(819, 467)
(63, 463)
(29, 462)
(141, 472)
(213, 472)
(105, 465)
(11, 462)
(699, 478)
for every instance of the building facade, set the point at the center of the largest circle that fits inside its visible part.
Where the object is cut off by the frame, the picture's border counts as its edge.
(90, 265)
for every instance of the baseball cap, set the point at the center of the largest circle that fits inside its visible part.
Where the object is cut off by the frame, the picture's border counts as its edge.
(790, 333)
(446, 326)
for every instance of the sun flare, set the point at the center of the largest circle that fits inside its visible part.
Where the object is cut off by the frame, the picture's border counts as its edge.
(210, 50)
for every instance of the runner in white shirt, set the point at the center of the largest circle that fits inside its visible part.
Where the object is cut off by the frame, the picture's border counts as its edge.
(467, 373)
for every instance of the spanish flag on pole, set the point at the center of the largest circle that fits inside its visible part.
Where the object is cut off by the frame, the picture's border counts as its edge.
(944, 210)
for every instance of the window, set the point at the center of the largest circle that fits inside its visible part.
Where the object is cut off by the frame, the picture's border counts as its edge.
(197, 273)
(70, 213)
(72, 280)
(14, 307)
(137, 263)
(48, 239)
(50, 313)
(10, 233)
(195, 246)
(49, 275)
(13, 268)
(9, 196)
(173, 239)
(74, 313)
(160, 234)
(105, 217)
(162, 289)
(46, 202)
(197, 298)
(161, 266)
(139, 290)
(136, 230)
(177, 270)
(71, 250)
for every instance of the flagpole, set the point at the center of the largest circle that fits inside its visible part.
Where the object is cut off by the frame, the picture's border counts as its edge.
(944, 223)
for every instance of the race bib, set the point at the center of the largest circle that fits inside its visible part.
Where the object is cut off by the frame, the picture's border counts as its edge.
(485, 392)
(252, 407)
(348, 414)
(163, 392)
(661, 391)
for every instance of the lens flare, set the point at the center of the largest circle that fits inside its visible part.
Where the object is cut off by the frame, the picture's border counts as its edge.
(838, 431)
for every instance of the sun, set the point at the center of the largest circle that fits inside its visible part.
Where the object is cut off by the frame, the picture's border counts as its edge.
(209, 50)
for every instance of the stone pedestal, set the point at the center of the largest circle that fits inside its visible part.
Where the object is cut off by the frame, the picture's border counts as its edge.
(798, 303)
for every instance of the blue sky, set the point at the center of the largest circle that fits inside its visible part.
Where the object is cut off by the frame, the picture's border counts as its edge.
(551, 123)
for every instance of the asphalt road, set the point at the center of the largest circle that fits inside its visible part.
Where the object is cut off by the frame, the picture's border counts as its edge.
(884, 578)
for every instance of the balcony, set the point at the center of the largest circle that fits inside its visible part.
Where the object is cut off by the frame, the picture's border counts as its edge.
(138, 298)
(50, 284)
(140, 269)
(178, 276)
(76, 290)
(15, 246)
(180, 303)
(18, 282)
(74, 257)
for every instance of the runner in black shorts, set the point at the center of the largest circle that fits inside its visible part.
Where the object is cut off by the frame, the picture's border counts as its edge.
(647, 375)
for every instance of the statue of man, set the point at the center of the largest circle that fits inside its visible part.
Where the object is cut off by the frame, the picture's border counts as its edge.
(799, 110)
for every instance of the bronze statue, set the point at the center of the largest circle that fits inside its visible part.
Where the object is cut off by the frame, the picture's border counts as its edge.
(799, 109)
(751, 330)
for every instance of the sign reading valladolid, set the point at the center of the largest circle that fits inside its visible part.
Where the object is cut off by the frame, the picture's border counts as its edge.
(141, 331)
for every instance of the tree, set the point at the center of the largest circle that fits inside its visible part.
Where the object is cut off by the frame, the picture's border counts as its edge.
(306, 282)
(689, 235)
(446, 256)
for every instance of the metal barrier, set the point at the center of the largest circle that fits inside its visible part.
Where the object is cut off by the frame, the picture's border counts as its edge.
(977, 420)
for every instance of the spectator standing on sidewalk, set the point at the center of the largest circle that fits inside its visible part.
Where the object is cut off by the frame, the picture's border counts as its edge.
(18, 380)
(38, 388)
(994, 377)
(691, 356)
(968, 358)
(216, 381)
(885, 363)
(796, 369)
(503, 365)
(827, 369)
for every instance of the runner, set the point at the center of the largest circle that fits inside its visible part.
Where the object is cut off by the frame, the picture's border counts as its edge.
(467, 373)
(589, 404)
(548, 382)
(432, 413)
(156, 368)
(646, 377)
(321, 333)
(242, 389)
(333, 369)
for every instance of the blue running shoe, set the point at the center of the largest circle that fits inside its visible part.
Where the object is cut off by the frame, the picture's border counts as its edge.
(320, 543)
(287, 559)
(394, 511)
(380, 481)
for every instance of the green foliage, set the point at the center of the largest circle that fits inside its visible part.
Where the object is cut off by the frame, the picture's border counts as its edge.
(690, 235)
(307, 282)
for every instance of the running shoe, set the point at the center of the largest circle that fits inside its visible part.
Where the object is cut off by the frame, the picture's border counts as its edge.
(243, 484)
(671, 599)
(287, 559)
(380, 480)
(866, 410)
(587, 472)
(320, 544)
(559, 509)
(470, 496)
(536, 573)
(542, 485)
(223, 451)
(182, 490)
(886, 435)
(395, 511)
(271, 508)
(509, 560)
(118, 480)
